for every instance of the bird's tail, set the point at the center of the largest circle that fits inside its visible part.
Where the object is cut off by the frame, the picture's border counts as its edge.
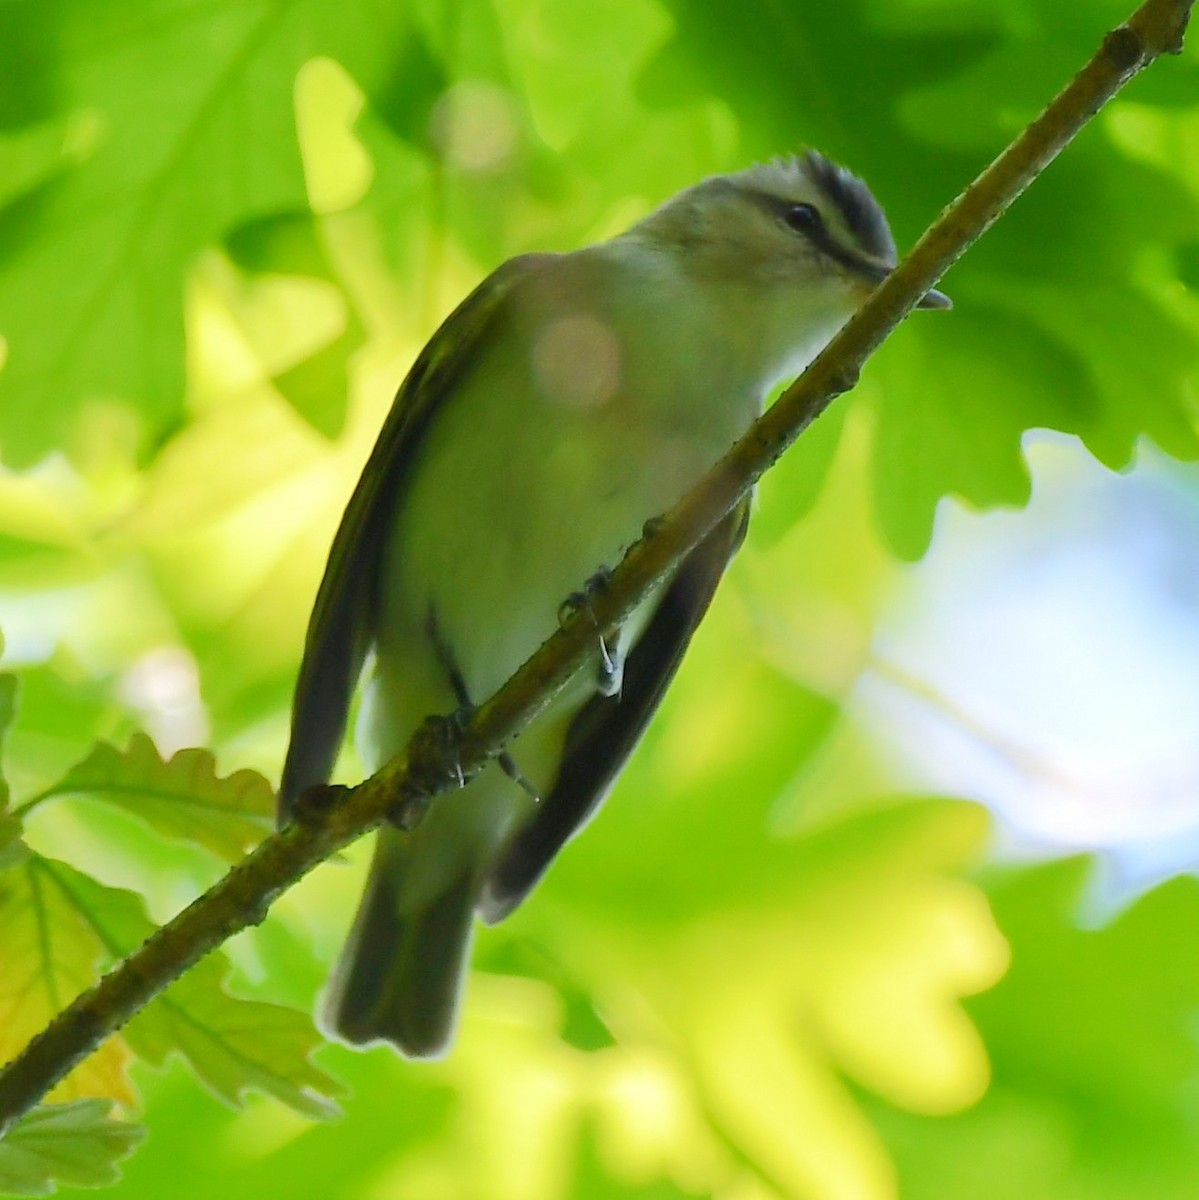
(400, 972)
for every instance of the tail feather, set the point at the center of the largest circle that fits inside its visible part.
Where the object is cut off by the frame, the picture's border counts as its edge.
(400, 973)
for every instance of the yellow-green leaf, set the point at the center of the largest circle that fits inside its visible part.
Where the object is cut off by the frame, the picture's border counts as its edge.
(51, 952)
(232, 1044)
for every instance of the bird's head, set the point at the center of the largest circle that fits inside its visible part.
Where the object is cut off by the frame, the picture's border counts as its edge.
(795, 245)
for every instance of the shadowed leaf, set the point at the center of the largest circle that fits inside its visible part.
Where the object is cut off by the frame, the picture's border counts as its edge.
(181, 798)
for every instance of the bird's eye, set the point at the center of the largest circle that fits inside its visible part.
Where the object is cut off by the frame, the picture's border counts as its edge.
(803, 218)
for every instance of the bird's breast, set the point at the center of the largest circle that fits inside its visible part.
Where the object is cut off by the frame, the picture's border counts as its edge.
(539, 472)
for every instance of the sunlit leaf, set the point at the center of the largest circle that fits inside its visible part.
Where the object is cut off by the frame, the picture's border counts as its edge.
(51, 952)
(779, 964)
(182, 797)
(843, 957)
(233, 1045)
(193, 131)
(42, 536)
(76, 1144)
(59, 925)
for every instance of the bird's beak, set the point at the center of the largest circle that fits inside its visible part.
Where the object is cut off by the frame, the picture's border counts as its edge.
(934, 299)
(876, 272)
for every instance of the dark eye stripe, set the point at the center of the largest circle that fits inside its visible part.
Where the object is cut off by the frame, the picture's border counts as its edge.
(799, 217)
(817, 232)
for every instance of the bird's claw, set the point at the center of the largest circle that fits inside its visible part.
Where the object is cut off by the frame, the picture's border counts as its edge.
(453, 727)
(518, 777)
(445, 734)
(610, 673)
(580, 601)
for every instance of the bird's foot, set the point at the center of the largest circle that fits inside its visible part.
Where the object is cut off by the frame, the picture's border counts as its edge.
(451, 729)
(580, 601)
(610, 672)
(435, 761)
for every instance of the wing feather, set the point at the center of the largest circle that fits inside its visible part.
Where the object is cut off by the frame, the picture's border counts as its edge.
(607, 729)
(341, 628)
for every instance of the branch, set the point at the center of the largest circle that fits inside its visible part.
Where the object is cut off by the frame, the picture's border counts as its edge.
(328, 819)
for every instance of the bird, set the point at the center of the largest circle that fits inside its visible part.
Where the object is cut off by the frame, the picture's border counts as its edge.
(568, 400)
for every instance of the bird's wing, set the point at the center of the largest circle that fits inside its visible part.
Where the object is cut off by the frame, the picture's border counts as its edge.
(604, 733)
(341, 627)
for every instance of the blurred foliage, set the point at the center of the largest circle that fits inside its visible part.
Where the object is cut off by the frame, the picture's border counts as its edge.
(75, 1143)
(1094, 1050)
(225, 231)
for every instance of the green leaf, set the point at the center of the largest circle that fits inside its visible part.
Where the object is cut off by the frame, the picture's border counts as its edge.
(232, 1044)
(10, 827)
(725, 928)
(8, 710)
(790, 490)
(934, 436)
(236, 1045)
(190, 130)
(12, 849)
(76, 1144)
(8, 703)
(182, 798)
(1101, 1016)
(1092, 1039)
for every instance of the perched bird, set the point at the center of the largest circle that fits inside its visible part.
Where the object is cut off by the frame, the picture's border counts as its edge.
(569, 399)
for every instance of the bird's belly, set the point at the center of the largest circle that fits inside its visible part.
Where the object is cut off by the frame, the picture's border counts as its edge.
(500, 526)
(486, 547)
(509, 508)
